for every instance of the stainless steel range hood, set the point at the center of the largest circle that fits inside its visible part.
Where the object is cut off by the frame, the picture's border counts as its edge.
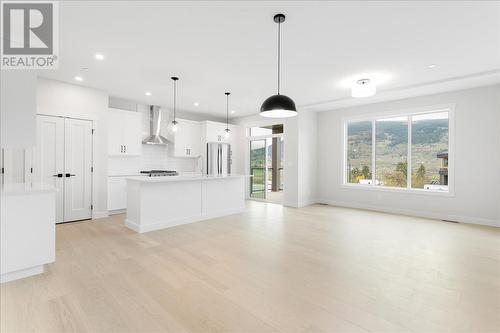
(154, 127)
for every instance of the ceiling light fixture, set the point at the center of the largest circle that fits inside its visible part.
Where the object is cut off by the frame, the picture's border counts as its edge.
(233, 112)
(278, 106)
(196, 104)
(174, 126)
(147, 93)
(363, 88)
(227, 130)
(99, 56)
(432, 66)
(78, 78)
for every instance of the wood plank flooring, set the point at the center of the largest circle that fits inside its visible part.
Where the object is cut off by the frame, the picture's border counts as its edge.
(271, 269)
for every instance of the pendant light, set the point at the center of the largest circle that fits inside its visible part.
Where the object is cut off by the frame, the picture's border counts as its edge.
(227, 130)
(363, 88)
(174, 126)
(278, 106)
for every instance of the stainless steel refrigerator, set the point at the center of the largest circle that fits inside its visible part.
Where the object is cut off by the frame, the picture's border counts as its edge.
(218, 158)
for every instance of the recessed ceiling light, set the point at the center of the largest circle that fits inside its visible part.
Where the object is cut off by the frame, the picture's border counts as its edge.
(233, 112)
(432, 66)
(99, 56)
(196, 104)
(147, 93)
(78, 78)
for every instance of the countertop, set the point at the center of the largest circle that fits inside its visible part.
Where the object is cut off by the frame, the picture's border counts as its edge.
(27, 188)
(165, 179)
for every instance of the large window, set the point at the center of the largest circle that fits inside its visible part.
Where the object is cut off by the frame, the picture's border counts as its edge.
(408, 151)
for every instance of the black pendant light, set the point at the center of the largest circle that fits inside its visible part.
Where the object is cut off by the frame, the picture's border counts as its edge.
(174, 126)
(227, 130)
(278, 106)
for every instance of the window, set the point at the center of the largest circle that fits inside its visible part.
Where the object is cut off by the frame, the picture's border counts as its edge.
(408, 151)
(391, 152)
(359, 152)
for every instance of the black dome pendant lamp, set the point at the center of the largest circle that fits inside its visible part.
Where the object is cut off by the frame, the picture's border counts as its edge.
(278, 106)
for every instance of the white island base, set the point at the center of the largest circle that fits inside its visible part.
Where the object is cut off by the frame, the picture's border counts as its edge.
(161, 202)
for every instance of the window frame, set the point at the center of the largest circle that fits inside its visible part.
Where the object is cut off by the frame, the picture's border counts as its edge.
(450, 108)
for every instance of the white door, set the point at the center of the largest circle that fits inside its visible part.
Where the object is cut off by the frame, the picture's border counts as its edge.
(77, 170)
(49, 157)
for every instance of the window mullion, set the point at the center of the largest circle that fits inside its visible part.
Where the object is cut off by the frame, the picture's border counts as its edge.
(373, 151)
(408, 155)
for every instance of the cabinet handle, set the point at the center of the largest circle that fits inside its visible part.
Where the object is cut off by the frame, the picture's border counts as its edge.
(121, 148)
(124, 149)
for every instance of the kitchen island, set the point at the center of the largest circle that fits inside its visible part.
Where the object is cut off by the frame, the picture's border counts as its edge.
(161, 202)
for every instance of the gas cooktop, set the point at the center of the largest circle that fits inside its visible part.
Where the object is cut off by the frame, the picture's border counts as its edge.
(159, 173)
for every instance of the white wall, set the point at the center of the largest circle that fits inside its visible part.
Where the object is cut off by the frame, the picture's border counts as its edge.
(477, 160)
(17, 109)
(57, 98)
(307, 158)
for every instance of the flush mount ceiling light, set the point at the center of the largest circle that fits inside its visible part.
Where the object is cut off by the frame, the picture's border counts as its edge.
(147, 93)
(278, 106)
(196, 104)
(78, 78)
(174, 126)
(227, 130)
(99, 56)
(363, 88)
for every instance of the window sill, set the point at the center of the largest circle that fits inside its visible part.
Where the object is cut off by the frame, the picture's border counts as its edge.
(449, 193)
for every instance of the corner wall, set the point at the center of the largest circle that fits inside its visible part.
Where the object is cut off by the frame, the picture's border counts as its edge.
(477, 160)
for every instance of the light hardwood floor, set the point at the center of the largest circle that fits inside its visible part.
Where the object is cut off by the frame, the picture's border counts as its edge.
(271, 269)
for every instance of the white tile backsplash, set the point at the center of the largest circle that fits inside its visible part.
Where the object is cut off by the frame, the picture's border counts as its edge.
(152, 157)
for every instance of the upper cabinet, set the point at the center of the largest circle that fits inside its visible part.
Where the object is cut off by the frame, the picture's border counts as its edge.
(187, 142)
(124, 133)
(215, 132)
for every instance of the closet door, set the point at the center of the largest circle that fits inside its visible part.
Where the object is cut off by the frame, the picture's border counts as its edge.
(49, 157)
(77, 170)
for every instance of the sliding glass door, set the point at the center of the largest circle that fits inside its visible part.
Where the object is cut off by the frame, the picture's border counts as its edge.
(258, 169)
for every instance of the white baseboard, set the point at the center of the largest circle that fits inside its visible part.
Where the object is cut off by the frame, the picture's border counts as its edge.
(21, 274)
(408, 212)
(100, 215)
(185, 220)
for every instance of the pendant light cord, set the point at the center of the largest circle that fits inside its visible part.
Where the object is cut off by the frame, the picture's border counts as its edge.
(227, 110)
(279, 55)
(175, 95)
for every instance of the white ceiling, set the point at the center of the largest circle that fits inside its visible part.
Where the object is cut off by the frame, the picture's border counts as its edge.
(231, 46)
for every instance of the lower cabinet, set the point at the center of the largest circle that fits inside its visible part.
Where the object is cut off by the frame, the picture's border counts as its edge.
(117, 194)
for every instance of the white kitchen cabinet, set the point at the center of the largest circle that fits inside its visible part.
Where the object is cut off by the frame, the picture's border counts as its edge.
(124, 133)
(187, 139)
(117, 193)
(215, 132)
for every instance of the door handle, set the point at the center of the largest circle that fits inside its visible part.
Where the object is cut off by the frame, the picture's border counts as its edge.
(69, 175)
(58, 175)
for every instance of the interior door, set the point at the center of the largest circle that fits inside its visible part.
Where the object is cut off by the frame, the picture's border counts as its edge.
(258, 169)
(49, 158)
(77, 170)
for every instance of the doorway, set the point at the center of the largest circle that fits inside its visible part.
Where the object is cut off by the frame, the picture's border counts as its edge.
(63, 158)
(266, 163)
